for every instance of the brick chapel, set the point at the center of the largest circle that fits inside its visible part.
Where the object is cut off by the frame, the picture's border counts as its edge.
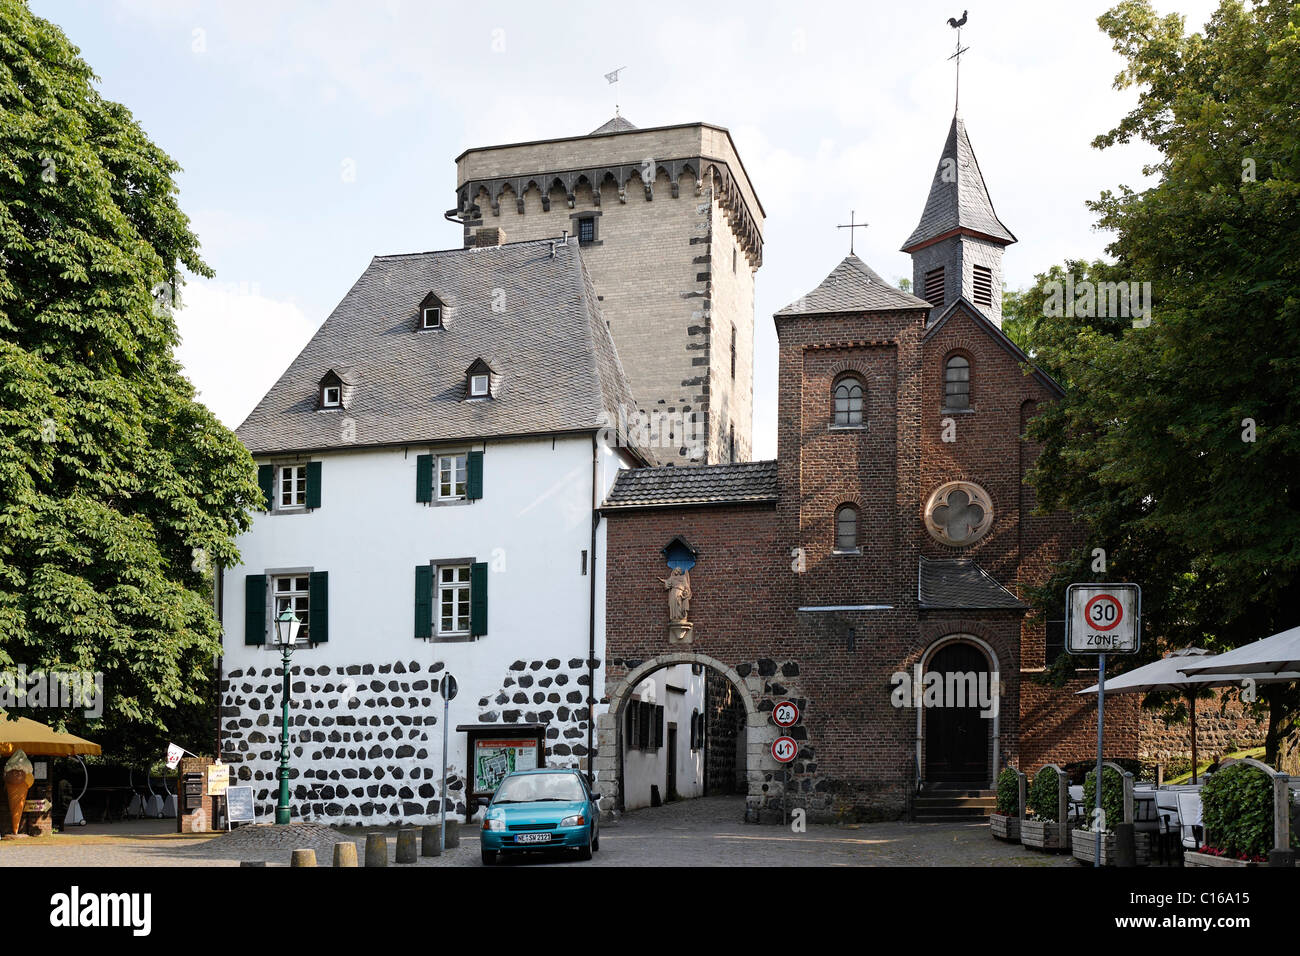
(893, 535)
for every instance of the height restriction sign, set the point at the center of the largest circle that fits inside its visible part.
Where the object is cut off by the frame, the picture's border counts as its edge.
(1103, 618)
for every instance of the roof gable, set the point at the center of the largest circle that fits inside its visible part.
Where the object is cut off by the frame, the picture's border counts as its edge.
(990, 328)
(853, 286)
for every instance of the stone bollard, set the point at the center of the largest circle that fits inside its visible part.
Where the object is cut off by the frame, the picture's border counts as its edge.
(430, 840)
(303, 858)
(406, 845)
(376, 849)
(453, 833)
(345, 854)
(252, 863)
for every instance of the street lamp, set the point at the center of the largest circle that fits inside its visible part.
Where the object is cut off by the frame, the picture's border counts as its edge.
(286, 634)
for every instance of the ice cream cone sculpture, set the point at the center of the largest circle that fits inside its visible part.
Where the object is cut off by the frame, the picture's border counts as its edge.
(18, 780)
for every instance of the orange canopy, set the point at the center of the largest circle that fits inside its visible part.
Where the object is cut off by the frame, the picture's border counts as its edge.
(37, 740)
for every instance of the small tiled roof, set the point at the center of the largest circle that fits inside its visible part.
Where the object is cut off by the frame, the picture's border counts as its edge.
(532, 316)
(958, 197)
(615, 125)
(739, 483)
(853, 286)
(961, 584)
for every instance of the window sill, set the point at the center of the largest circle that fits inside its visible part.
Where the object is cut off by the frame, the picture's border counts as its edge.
(453, 638)
(956, 411)
(846, 428)
(847, 554)
(300, 510)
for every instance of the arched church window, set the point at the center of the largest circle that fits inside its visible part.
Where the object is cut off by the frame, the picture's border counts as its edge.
(956, 383)
(846, 528)
(847, 394)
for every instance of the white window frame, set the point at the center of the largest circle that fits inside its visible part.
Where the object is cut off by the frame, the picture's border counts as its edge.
(459, 583)
(474, 381)
(301, 598)
(459, 463)
(298, 486)
(424, 317)
(325, 396)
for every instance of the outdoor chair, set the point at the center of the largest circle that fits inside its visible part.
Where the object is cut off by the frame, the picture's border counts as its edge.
(1191, 830)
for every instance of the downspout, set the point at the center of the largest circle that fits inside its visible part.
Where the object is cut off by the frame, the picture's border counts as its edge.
(591, 621)
(217, 576)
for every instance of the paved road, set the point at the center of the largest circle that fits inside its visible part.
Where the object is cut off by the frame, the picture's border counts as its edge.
(706, 832)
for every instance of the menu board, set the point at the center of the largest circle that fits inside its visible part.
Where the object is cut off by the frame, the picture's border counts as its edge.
(495, 758)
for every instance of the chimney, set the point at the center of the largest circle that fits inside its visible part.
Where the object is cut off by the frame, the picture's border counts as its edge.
(489, 236)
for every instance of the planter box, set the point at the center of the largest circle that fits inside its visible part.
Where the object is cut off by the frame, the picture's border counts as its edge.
(1041, 835)
(1005, 827)
(1084, 847)
(1192, 858)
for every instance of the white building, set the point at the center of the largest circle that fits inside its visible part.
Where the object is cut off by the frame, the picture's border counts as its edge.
(431, 463)
(663, 737)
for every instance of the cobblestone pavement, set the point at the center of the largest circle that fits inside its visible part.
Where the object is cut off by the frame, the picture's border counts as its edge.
(705, 832)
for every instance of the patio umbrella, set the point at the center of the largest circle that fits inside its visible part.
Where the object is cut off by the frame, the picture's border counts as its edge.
(1168, 674)
(35, 739)
(1272, 655)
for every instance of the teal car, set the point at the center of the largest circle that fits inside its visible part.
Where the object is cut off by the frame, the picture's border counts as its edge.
(540, 810)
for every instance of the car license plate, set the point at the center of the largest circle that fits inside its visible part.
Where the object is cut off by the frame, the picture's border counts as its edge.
(533, 838)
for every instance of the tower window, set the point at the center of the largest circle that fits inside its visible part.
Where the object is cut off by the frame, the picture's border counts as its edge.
(731, 442)
(733, 260)
(586, 231)
(934, 286)
(983, 286)
(846, 529)
(956, 383)
(847, 396)
(733, 349)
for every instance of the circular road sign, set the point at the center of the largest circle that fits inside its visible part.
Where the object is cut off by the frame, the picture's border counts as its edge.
(784, 749)
(785, 714)
(448, 687)
(1104, 612)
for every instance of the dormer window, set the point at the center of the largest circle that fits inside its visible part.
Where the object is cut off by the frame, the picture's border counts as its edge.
(331, 396)
(336, 388)
(478, 380)
(478, 386)
(431, 312)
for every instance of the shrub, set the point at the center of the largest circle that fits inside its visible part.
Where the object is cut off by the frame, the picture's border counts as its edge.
(1112, 797)
(1042, 797)
(1008, 792)
(1237, 810)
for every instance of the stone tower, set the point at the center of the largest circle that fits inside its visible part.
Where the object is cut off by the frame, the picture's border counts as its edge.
(671, 232)
(957, 246)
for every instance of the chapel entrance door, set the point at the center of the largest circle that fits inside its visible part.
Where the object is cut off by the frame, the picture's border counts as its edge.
(958, 739)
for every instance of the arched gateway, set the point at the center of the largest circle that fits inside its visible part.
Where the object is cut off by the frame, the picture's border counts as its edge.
(759, 731)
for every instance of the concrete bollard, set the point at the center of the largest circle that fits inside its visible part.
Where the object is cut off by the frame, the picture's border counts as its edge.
(453, 833)
(406, 846)
(303, 858)
(345, 854)
(1125, 844)
(376, 849)
(431, 840)
(252, 863)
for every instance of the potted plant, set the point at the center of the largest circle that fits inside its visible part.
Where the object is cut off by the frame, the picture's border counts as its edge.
(1116, 807)
(1044, 826)
(1237, 811)
(1005, 819)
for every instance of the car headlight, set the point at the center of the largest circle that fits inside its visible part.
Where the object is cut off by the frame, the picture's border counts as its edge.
(576, 820)
(497, 822)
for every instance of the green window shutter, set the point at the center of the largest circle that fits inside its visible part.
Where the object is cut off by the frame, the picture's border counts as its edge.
(424, 478)
(313, 484)
(266, 479)
(478, 599)
(474, 479)
(318, 606)
(255, 609)
(423, 599)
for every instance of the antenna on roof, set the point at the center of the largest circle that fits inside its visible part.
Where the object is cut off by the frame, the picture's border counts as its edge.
(612, 78)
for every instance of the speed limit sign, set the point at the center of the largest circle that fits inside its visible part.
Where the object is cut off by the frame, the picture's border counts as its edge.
(784, 749)
(785, 714)
(1103, 618)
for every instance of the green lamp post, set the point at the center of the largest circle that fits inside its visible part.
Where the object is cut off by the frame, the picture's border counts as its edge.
(286, 634)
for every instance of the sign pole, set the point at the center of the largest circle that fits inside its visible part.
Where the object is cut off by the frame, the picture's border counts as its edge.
(442, 803)
(1101, 717)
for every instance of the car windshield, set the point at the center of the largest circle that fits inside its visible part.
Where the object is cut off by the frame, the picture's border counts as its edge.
(530, 787)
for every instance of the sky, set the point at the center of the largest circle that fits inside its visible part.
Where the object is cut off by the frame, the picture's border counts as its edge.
(314, 136)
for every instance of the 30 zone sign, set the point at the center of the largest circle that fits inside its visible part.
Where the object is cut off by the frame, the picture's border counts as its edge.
(1103, 618)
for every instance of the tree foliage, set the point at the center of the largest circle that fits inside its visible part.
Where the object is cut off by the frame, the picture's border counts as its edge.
(1179, 441)
(112, 477)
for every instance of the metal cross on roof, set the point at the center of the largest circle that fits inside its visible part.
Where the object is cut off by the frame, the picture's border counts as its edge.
(850, 227)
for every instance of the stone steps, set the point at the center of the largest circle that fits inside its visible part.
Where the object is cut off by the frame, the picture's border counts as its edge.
(953, 805)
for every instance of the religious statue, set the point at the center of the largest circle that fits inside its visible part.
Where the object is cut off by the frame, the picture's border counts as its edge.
(678, 586)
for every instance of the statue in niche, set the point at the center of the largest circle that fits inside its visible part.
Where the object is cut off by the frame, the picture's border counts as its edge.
(678, 586)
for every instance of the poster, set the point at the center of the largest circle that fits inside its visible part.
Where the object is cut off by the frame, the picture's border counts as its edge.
(218, 779)
(493, 759)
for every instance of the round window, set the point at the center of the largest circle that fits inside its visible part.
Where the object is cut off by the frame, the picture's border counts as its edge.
(958, 513)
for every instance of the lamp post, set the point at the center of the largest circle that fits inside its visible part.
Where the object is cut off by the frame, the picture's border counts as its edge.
(286, 633)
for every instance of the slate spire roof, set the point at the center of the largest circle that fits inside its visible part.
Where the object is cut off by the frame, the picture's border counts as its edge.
(616, 125)
(853, 286)
(530, 314)
(958, 197)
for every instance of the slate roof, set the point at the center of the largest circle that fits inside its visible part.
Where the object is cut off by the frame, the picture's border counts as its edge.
(960, 202)
(853, 286)
(961, 584)
(738, 483)
(555, 363)
(615, 125)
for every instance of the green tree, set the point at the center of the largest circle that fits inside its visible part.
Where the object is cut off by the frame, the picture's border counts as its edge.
(116, 486)
(1178, 442)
